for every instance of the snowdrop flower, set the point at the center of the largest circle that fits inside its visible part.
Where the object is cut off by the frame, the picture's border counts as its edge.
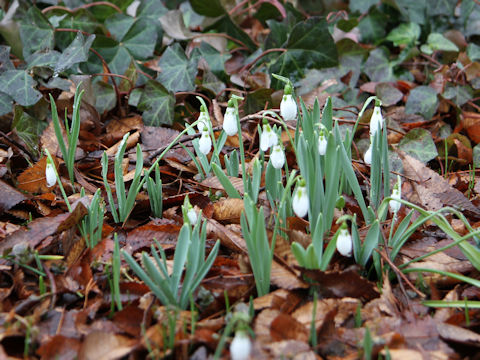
(230, 120)
(277, 157)
(203, 119)
(205, 143)
(288, 106)
(300, 202)
(344, 241)
(376, 120)
(368, 155)
(50, 174)
(192, 215)
(322, 143)
(396, 195)
(241, 346)
(268, 138)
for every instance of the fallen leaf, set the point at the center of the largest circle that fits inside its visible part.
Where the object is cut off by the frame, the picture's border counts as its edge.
(10, 197)
(33, 179)
(228, 209)
(99, 345)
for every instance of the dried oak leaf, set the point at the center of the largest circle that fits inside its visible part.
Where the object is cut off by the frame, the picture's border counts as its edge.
(10, 197)
(434, 192)
(33, 179)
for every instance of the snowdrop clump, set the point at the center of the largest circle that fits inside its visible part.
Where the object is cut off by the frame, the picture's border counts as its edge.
(230, 120)
(300, 202)
(396, 195)
(277, 156)
(288, 106)
(241, 346)
(268, 138)
(344, 241)
(205, 143)
(50, 174)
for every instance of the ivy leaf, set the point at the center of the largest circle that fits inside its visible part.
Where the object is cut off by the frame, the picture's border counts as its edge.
(20, 86)
(309, 45)
(81, 20)
(75, 53)
(43, 58)
(211, 8)
(5, 104)
(361, 6)
(178, 72)
(213, 59)
(227, 26)
(419, 144)
(36, 32)
(256, 100)
(105, 98)
(388, 93)
(140, 39)
(377, 66)
(5, 62)
(422, 100)
(404, 34)
(28, 129)
(372, 27)
(157, 103)
(437, 41)
(118, 25)
(460, 94)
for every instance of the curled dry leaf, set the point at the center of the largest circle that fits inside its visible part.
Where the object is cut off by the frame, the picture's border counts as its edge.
(228, 209)
(33, 179)
(10, 196)
(471, 123)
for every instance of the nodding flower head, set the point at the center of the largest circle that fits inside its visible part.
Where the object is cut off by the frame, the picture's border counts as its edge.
(241, 346)
(396, 195)
(277, 157)
(322, 142)
(230, 120)
(205, 143)
(376, 120)
(203, 119)
(368, 155)
(344, 241)
(192, 215)
(50, 174)
(268, 138)
(288, 106)
(300, 202)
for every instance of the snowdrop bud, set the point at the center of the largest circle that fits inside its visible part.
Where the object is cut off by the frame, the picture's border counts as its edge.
(277, 157)
(288, 106)
(396, 195)
(241, 346)
(204, 119)
(376, 120)
(322, 143)
(368, 155)
(344, 241)
(300, 201)
(230, 120)
(50, 174)
(268, 137)
(205, 143)
(192, 215)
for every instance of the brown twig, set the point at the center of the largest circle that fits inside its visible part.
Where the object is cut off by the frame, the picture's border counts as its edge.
(85, 6)
(250, 64)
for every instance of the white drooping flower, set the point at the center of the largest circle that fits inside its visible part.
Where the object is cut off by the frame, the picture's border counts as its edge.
(396, 195)
(288, 106)
(50, 174)
(300, 202)
(203, 119)
(277, 157)
(368, 155)
(376, 120)
(230, 120)
(268, 138)
(205, 143)
(192, 215)
(344, 241)
(241, 346)
(322, 143)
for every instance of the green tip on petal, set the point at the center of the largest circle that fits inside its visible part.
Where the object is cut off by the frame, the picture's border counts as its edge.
(231, 103)
(288, 89)
(378, 102)
(265, 121)
(301, 182)
(344, 226)
(203, 108)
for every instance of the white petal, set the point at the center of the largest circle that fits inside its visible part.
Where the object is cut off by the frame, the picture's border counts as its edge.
(368, 155)
(240, 347)
(300, 201)
(277, 157)
(322, 145)
(288, 107)
(344, 243)
(204, 121)
(272, 138)
(205, 143)
(192, 216)
(265, 138)
(393, 204)
(230, 121)
(50, 175)
(376, 121)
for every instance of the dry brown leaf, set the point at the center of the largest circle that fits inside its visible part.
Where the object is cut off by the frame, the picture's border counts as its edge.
(131, 141)
(458, 334)
(286, 327)
(434, 192)
(10, 196)
(228, 209)
(33, 179)
(100, 345)
(345, 308)
(279, 299)
(284, 279)
(261, 325)
(471, 123)
(213, 182)
(290, 349)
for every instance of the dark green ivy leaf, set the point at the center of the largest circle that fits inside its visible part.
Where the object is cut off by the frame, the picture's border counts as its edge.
(5, 62)
(28, 129)
(36, 32)
(5, 104)
(140, 39)
(419, 144)
(177, 72)
(20, 86)
(75, 53)
(157, 104)
(42, 58)
(377, 66)
(422, 100)
(459, 94)
(105, 98)
(211, 8)
(118, 25)
(213, 59)
(227, 26)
